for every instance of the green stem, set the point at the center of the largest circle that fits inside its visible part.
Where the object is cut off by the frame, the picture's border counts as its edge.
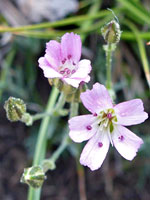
(66, 140)
(59, 105)
(41, 142)
(134, 9)
(64, 22)
(60, 149)
(74, 109)
(108, 66)
(141, 50)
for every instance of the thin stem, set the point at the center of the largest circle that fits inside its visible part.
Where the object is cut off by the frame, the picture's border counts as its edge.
(41, 142)
(64, 22)
(81, 181)
(58, 106)
(108, 66)
(64, 143)
(60, 149)
(142, 50)
(74, 109)
(144, 16)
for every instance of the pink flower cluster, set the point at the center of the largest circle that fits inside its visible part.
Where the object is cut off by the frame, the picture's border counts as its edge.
(106, 122)
(62, 60)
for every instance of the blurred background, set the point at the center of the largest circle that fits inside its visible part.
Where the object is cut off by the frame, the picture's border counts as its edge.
(20, 77)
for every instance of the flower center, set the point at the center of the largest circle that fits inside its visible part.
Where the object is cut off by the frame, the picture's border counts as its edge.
(68, 67)
(106, 119)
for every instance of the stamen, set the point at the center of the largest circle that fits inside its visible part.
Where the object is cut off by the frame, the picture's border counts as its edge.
(73, 71)
(65, 76)
(121, 138)
(63, 61)
(62, 72)
(68, 71)
(109, 115)
(100, 144)
(69, 56)
(74, 63)
(89, 127)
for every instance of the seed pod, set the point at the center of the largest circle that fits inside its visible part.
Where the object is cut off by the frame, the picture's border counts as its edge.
(33, 176)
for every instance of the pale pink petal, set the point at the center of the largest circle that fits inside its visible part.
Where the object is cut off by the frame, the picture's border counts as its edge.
(130, 112)
(71, 46)
(95, 150)
(84, 68)
(49, 72)
(74, 82)
(43, 62)
(87, 79)
(82, 128)
(53, 53)
(126, 142)
(97, 99)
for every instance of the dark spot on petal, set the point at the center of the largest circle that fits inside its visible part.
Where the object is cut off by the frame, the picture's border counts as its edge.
(121, 138)
(89, 127)
(100, 144)
(95, 114)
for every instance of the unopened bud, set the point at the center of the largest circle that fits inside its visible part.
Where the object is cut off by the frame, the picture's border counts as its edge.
(15, 108)
(111, 32)
(33, 176)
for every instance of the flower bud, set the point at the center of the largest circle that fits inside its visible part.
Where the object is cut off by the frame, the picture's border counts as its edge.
(111, 32)
(15, 108)
(33, 176)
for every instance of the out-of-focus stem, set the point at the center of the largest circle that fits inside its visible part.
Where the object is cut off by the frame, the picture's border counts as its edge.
(81, 181)
(41, 142)
(108, 66)
(59, 105)
(49, 164)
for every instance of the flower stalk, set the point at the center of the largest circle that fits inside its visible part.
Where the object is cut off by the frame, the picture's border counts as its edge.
(49, 164)
(41, 142)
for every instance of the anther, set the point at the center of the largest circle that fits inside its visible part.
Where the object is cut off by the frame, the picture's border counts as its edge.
(69, 56)
(73, 71)
(63, 61)
(62, 72)
(68, 71)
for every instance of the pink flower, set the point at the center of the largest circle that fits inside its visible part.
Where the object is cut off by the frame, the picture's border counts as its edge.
(62, 60)
(106, 125)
